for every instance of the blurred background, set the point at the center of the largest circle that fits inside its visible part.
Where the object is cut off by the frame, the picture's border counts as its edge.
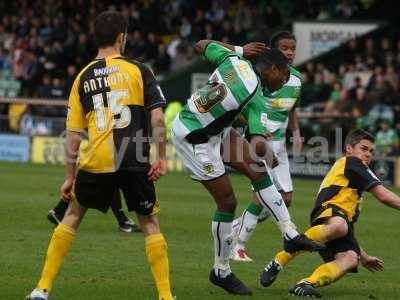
(347, 51)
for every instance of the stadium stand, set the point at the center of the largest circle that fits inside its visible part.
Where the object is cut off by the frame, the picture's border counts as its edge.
(42, 48)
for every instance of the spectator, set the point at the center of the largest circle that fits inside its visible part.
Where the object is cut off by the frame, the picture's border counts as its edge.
(162, 62)
(387, 140)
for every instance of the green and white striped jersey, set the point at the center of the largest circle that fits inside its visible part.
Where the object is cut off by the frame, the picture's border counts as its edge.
(279, 104)
(214, 106)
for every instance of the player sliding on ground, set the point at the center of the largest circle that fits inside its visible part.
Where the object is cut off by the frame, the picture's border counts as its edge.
(204, 140)
(281, 112)
(334, 215)
(110, 98)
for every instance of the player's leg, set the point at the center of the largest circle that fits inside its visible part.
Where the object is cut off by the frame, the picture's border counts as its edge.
(157, 254)
(140, 196)
(241, 157)
(221, 275)
(60, 243)
(56, 214)
(341, 257)
(204, 163)
(244, 226)
(124, 222)
(330, 228)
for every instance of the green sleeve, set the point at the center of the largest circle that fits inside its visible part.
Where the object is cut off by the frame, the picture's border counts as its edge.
(256, 116)
(216, 53)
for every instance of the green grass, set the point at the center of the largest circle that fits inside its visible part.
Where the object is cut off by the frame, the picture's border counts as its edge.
(106, 264)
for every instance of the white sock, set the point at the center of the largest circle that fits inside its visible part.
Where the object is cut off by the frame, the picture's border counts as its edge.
(247, 226)
(222, 233)
(271, 199)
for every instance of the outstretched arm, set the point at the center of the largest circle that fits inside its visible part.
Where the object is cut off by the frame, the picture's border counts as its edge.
(249, 50)
(385, 196)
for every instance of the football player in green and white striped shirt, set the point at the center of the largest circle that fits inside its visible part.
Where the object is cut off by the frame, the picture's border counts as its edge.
(204, 140)
(281, 113)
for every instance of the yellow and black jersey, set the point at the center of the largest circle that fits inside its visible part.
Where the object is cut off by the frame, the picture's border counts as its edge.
(110, 99)
(343, 186)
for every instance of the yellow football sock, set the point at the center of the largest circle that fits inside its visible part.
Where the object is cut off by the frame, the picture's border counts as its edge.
(325, 274)
(283, 257)
(317, 233)
(60, 243)
(156, 250)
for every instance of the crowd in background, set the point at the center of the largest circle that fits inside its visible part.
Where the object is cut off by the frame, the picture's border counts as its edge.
(53, 38)
(365, 87)
(44, 43)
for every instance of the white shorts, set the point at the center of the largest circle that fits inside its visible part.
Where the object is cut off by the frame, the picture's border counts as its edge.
(202, 161)
(281, 174)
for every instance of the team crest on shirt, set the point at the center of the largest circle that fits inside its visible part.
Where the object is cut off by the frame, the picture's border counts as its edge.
(230, 76)
(208, 168)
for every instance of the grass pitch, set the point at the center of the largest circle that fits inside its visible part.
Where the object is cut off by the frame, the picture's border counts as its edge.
(105, 264)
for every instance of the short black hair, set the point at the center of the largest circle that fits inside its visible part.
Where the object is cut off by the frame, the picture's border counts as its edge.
(107, 26)
(280, 35)
(271, 57)
(356, 135)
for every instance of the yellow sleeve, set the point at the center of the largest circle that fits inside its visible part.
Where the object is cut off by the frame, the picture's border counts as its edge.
(76, 120)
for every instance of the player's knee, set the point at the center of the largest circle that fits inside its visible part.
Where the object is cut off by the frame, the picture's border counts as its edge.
(339, 227)
(227, 203)
(149, 224)
(352, 259)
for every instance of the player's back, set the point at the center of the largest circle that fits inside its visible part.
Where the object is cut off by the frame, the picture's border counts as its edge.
(109, 99)
(215, 105)
(344, 184)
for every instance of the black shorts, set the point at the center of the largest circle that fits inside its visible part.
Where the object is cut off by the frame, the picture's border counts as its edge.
(97, 190)
(343, 244)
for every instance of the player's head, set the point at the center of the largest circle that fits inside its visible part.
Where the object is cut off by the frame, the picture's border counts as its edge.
(272, 66)
(286, 42)
(361, 144)
(110, 29)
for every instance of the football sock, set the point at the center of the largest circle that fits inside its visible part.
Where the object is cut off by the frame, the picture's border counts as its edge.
(157, 255)
(61, 208)
(222, 233)
(60, 243)
(317, 233)
(116, 207)
(248, 222)
(271, 199)
(283, 257)
(325, 274)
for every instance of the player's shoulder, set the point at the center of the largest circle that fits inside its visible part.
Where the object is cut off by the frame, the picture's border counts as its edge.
(296, 75)
(88, 68)
(354, 164)
(246, 73)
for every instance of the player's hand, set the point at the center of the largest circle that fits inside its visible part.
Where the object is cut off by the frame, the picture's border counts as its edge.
(372, 263)
(66, 189)
(157, 169)
(253, 49)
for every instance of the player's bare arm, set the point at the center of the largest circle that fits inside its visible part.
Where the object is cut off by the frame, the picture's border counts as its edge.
(248, 50)
(73, 142)
(159, 166)
(294, 126)
(385, 196)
